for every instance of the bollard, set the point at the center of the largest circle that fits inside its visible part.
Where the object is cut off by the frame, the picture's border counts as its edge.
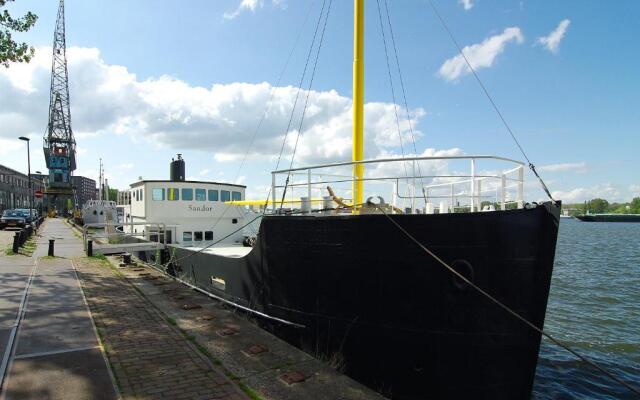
(51, 242)
(16, 242)
(126, 258)
(89, 248)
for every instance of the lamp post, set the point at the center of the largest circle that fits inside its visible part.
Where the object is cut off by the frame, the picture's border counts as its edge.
(26, 139)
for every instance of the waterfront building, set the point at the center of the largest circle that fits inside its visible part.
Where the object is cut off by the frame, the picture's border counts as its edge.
(14, 189)
(85, 189)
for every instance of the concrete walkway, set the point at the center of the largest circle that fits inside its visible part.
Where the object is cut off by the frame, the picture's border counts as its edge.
(55, 353)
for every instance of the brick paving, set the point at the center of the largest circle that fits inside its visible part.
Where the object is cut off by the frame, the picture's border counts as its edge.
(150, 358)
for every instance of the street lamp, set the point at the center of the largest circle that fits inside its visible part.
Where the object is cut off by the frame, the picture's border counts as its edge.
(26, 139)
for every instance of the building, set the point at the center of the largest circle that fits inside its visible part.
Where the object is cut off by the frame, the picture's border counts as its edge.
(14, 189)
(85, 189)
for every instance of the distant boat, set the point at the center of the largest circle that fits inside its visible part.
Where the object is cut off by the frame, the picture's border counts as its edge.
(609, 217)
(563, 216)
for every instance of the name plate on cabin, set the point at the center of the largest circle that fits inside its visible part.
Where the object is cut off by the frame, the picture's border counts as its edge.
(200, 208)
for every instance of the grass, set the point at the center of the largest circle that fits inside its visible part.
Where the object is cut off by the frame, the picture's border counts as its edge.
(101, 257)
(27, 248)
(249, 392)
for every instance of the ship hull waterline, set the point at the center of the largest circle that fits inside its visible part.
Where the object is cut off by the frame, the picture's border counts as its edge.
(385, 312)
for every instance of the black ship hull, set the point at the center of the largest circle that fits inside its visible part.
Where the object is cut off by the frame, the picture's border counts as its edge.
(373, 302)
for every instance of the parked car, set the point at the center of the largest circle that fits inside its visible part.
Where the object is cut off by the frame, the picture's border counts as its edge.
(12, 219)
(29, 217)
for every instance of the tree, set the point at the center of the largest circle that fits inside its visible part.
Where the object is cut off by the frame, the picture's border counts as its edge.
(598, 206)
(10, 50)
(113, 194)
(635, 205)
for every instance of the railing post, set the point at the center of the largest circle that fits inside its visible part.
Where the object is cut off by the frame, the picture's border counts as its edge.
(479, 193)
(472, 189)
(273, 192)
(309, 189)
(521, 187)
(453, 200)
(503, 193)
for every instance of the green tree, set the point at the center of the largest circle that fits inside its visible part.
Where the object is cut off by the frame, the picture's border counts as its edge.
(10, 50)
(635, 205)
(598, 206)
(113, 194)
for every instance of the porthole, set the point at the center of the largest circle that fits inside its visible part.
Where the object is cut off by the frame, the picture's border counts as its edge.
(464, 268)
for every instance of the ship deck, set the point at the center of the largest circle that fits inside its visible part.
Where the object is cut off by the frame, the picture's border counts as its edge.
(225, 250)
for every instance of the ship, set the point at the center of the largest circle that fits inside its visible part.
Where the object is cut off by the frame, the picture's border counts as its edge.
(102, 210)
(346, 278)
(610, 217)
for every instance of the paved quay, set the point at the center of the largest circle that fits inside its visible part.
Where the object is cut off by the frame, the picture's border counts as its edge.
(49, 346)
(84, 329)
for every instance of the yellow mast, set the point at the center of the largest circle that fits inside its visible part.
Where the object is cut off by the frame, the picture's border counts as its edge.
(358, 100)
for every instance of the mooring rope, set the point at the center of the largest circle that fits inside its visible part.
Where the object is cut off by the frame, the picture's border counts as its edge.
(505, 307)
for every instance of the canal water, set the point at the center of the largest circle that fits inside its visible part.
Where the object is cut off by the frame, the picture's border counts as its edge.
(594, 306)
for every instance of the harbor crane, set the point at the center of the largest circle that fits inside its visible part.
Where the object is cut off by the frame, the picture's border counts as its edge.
(59, 143)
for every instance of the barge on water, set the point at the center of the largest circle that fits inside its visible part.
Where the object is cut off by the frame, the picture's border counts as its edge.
(609, 217)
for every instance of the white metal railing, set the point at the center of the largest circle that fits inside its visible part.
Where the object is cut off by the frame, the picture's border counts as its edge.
(412, 181)
(106, 231)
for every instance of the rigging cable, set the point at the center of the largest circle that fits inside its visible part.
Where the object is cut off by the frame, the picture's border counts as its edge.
(493, 103)
(267, 106)
(404, 97)
(306, 102)
(304, 72)
(393, 92)
(273, 90)
(505, 307)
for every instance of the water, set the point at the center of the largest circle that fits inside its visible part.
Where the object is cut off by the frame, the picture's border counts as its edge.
(594, 307)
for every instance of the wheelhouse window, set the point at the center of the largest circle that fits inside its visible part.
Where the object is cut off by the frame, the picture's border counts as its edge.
(187, 236)
(236, 196)
(141, 192)
(187, 194)
(208, 235)
(157, 194)
(226, 195)
(213, 195)
(201, 195)
(197, 236)
(173, 194)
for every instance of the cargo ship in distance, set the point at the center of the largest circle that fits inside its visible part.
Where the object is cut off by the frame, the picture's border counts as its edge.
(335, 267)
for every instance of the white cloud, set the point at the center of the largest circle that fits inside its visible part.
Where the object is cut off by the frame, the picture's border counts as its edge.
(481, 55)
(251, 5)
(204, 172)
(166, 112)
(577, 167)
(467, 4)
(10, 145)
(552, 41)
(605, 191)
(125, 166)
(634, 190)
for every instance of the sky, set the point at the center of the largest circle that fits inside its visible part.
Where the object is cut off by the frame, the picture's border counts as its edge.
(149, 79)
